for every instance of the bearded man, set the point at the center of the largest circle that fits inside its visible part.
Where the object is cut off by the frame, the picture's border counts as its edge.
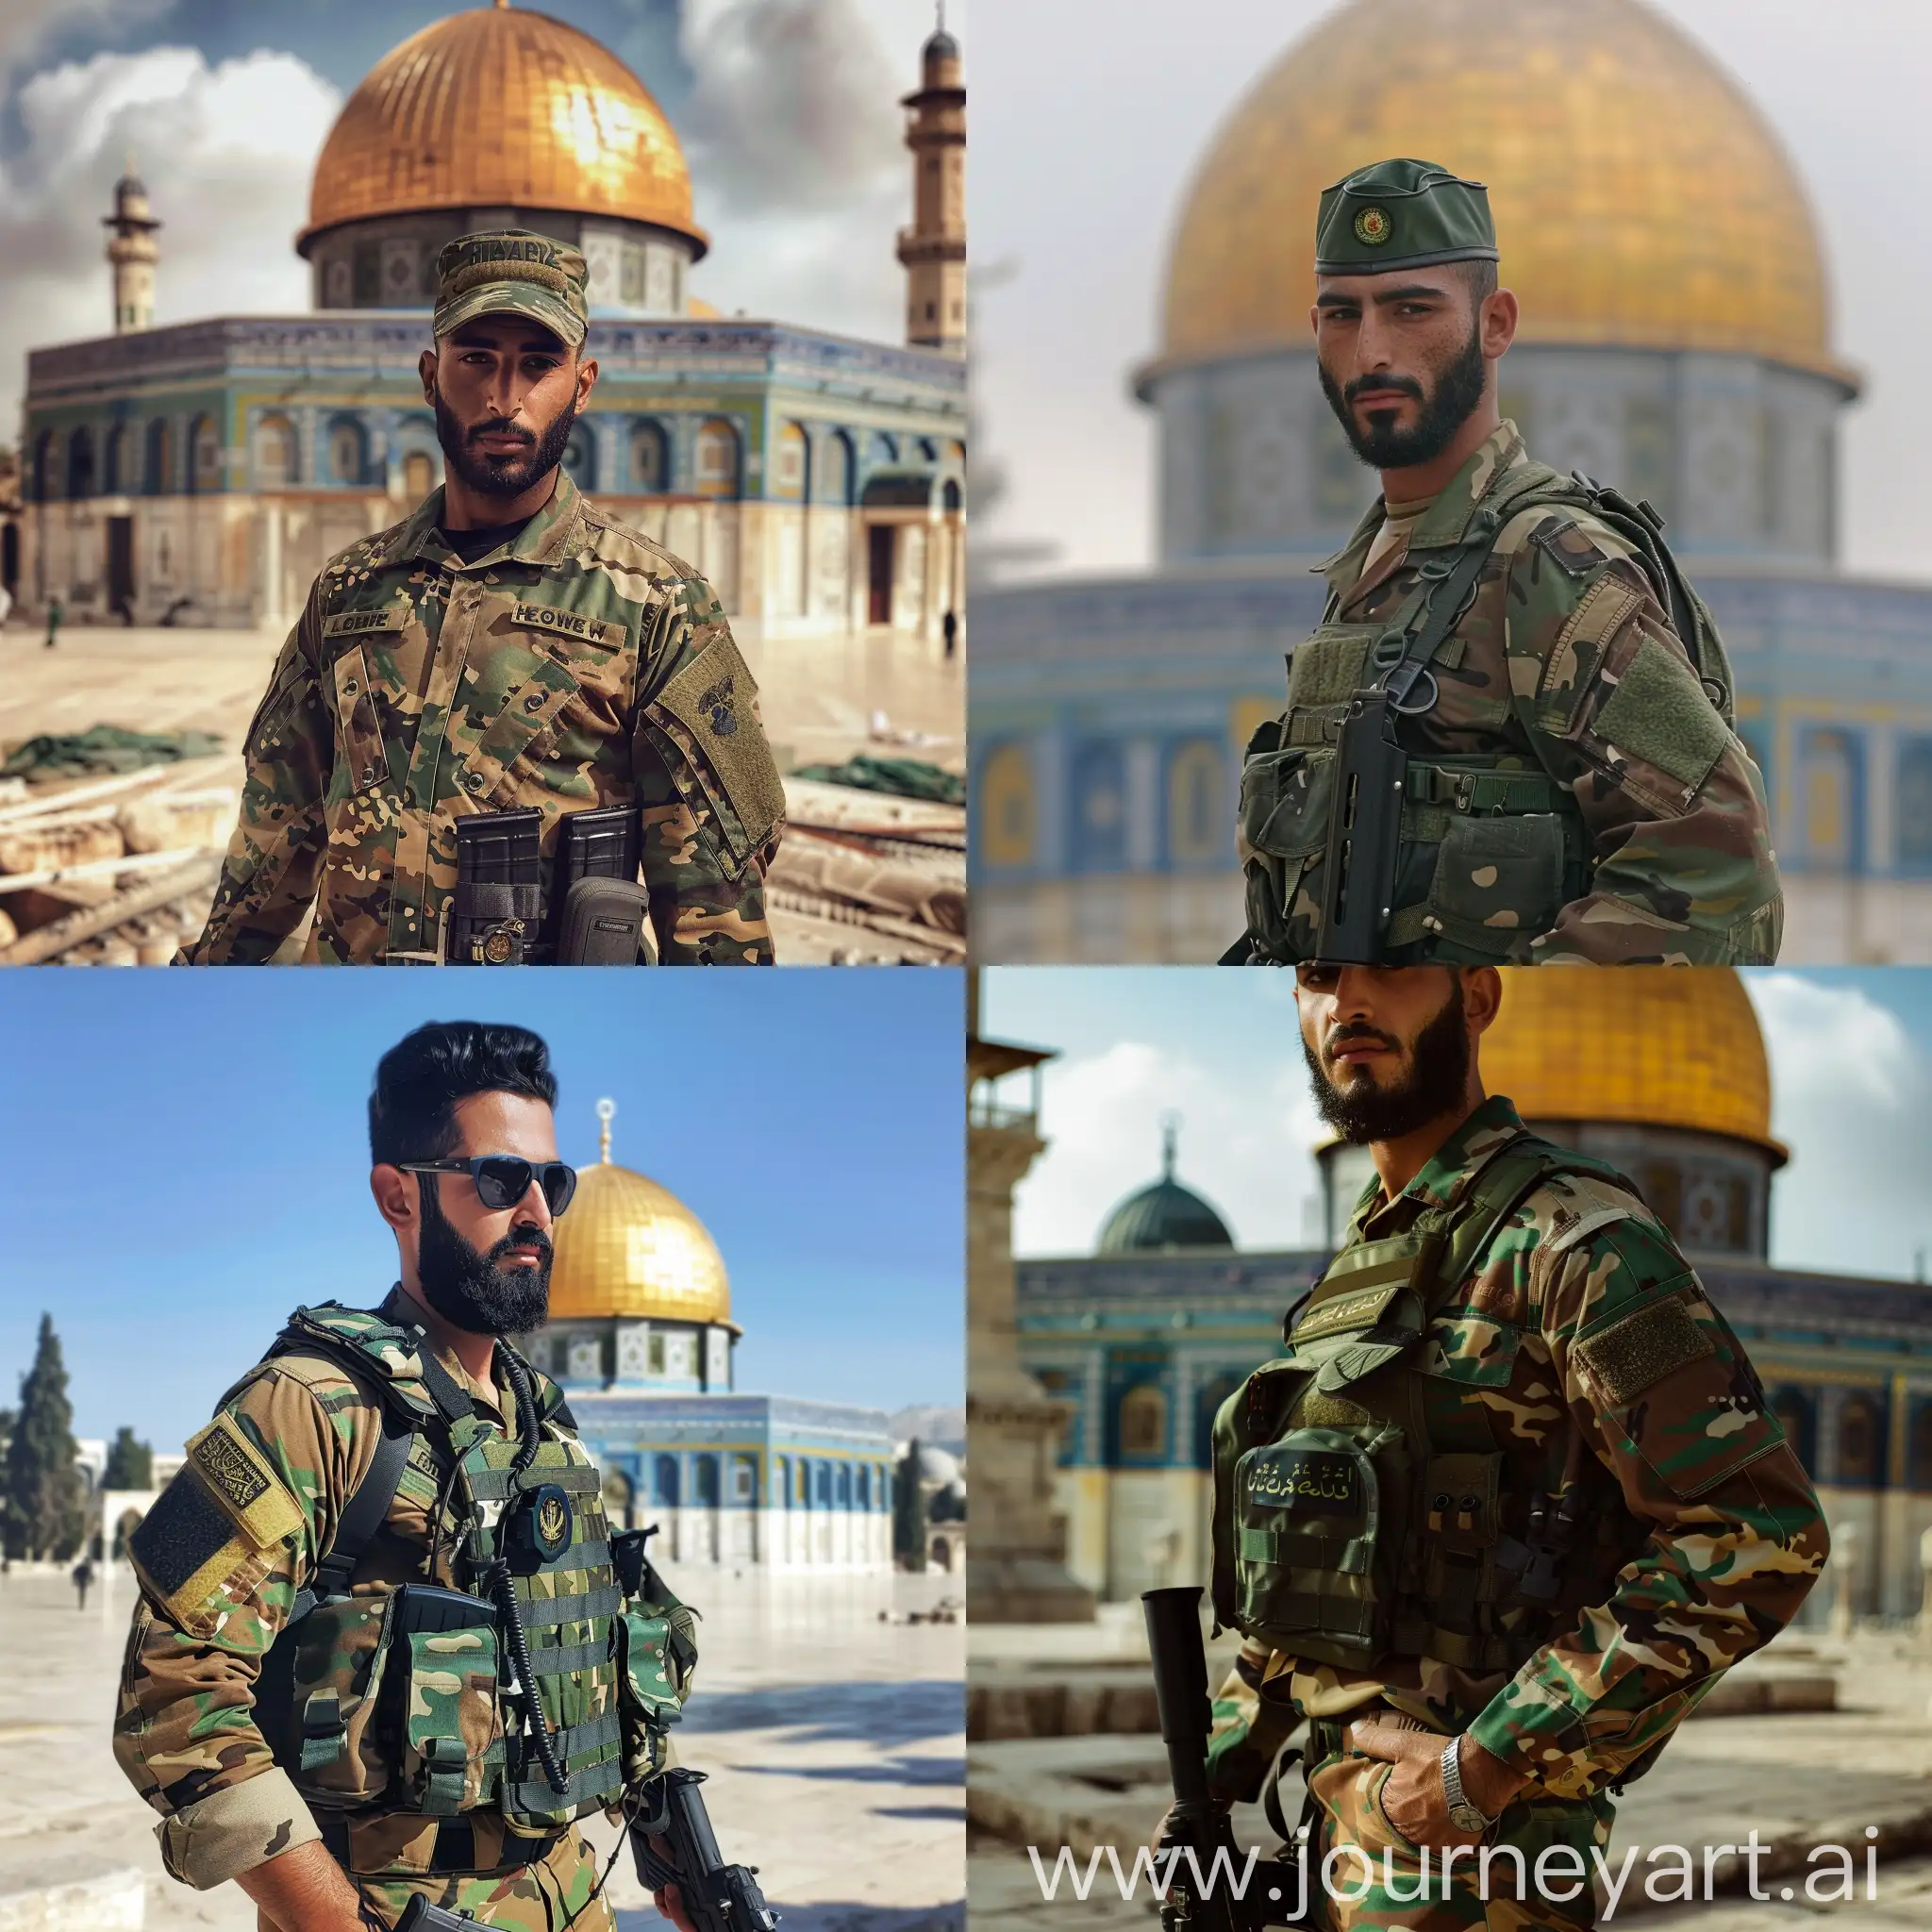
(1511, 739)
(1506, 1507)
(509, 649)
(381, 1650)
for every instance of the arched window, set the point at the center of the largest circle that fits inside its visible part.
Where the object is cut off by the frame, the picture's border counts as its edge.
(274, 452)
(1831, 767)
(1197, 816)
(789, 463)
(952, 497)
(714, 459)
(1913, 816)
(204, 456)
(865, 1487)
(1919, 1448)
(804, 1482)
(158, 472)
(80, 463)
(1008, 825)
(1143, 1422)
(666, 1480)
(706, 1481)
(835, 469)
(881, 449)
(650, 459)
(844, 1486)
(1100, 806)
(825, 1486)
(115, 471)
(580, 458)
(47, 468)
(781, 1481)
(1793, 1410)
(419, 476)
(1859, 1443)
(744, 1480)
(348, 451)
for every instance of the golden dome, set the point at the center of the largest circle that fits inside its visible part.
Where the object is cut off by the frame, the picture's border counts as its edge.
(1671, 1046)
(500, 108)
(1639, 199)
(626, 1246)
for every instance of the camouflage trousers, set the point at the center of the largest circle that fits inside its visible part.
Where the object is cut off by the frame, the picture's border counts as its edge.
(542, 1897)
(1383, 1883)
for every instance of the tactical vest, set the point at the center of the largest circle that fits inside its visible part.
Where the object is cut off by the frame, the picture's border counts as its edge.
(402, 1702)
(1331, 804)
(1360, 1509)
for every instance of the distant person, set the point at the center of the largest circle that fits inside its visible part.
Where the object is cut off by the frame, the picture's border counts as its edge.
(950, 628)
(6, 606)
(56, 611)
(562, 663)
(1522, 704)
(82, 1574)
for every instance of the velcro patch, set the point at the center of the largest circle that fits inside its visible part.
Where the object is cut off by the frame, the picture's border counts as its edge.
(1659, 713)
(238, 1476)
(353, 623)
(1359, 1309)
(1639, 1351)
(713, 698)
(569, 623)
(1319, 1481)
(186, 1547)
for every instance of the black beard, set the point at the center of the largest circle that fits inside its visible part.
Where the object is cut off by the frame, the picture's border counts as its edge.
(1437, 1079)
(505, 475)
(1457, 391)
(470, 1289)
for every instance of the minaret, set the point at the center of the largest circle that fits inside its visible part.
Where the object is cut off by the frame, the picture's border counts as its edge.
(132, 251)
(933, 249)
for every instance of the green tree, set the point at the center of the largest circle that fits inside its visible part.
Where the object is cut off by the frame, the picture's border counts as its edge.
(130, 1464)
(909, 1511)
(43, 1483)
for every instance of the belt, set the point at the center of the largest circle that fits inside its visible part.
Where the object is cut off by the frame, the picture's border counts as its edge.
(455, 1852)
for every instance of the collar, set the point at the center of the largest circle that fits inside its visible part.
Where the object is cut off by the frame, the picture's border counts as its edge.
(495, 1396)
(548, 536)
(1448, 1173)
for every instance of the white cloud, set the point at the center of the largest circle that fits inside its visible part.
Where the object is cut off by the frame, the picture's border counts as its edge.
(26, 25)
(225, 152)
(1245, 1142)
(1851, 1099)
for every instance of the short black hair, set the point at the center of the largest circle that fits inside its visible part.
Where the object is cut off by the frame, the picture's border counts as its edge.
(1482, 279)
(412, 1106)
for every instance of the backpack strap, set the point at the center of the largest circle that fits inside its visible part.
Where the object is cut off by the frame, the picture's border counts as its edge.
(361, 1517)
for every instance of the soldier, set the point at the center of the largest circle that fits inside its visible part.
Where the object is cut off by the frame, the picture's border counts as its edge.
(508, 645)
(1524, 703)
(309, 1717)
(1506, 1507)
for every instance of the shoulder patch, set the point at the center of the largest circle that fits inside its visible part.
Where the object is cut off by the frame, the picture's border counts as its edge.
(713, 699)
(1639, 1349)
(241, 1478)
(560, 623)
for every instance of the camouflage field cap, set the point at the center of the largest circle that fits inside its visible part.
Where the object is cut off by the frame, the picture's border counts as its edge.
(512, 271)
(1402, 214)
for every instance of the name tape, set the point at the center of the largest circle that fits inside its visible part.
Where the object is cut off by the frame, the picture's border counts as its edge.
(569, 623)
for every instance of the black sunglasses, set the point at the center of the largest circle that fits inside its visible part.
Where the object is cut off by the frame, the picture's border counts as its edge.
(502, 1179)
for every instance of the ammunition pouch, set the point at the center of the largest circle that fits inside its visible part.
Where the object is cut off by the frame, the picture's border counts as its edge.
(597, 914)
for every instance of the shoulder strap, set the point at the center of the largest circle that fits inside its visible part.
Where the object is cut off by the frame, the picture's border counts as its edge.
(363, 1515)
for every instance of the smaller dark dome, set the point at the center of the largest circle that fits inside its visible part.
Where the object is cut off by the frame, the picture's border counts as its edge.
(941, 46)
(130, 184)
(1166, 1215)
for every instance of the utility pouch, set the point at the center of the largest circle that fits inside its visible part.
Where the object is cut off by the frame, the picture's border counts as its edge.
(1461, 1528)
(1318, 1520)
(497, 916)
(1364, 835)
(649, 1691)
(1285, 801)
(452, 1726)
(605, 922)
(317, 1696)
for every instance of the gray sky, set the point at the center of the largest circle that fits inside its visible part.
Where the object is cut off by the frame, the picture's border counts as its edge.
(1090, 118)
(1851, 1070)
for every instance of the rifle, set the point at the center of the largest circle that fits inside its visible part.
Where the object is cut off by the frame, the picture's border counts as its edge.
(717, 1897)
(1196, 1822)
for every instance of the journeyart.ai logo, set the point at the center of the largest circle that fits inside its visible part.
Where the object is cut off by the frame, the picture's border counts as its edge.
(1348, 1873)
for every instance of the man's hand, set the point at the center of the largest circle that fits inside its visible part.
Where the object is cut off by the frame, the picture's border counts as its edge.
(1163, 1837)
(1412, 1799)
(670, 1900)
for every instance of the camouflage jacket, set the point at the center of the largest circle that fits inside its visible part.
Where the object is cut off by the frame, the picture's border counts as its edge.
(1672, 806)
(185, 1732)
(1706, 1534)
(579, 666)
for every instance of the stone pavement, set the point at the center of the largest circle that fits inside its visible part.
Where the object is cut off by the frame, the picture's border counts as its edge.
(834, 1743)
(1802, 1779)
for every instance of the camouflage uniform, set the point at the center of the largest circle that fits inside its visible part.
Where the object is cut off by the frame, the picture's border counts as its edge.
(1700, 1533)
(185, 1731)
(582, 665)
(579, 665)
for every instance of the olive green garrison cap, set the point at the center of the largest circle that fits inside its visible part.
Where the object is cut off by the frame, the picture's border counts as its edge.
(1402, 214)
(512, 271)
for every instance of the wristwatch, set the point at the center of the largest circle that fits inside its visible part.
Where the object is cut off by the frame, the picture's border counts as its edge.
(1463, 1814)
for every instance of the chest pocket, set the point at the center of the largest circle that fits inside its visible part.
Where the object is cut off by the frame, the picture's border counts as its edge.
(506, 708)
(358, 728)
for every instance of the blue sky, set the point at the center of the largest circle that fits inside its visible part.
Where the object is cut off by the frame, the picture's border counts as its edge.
(187, 1156)
(1851, 1067)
